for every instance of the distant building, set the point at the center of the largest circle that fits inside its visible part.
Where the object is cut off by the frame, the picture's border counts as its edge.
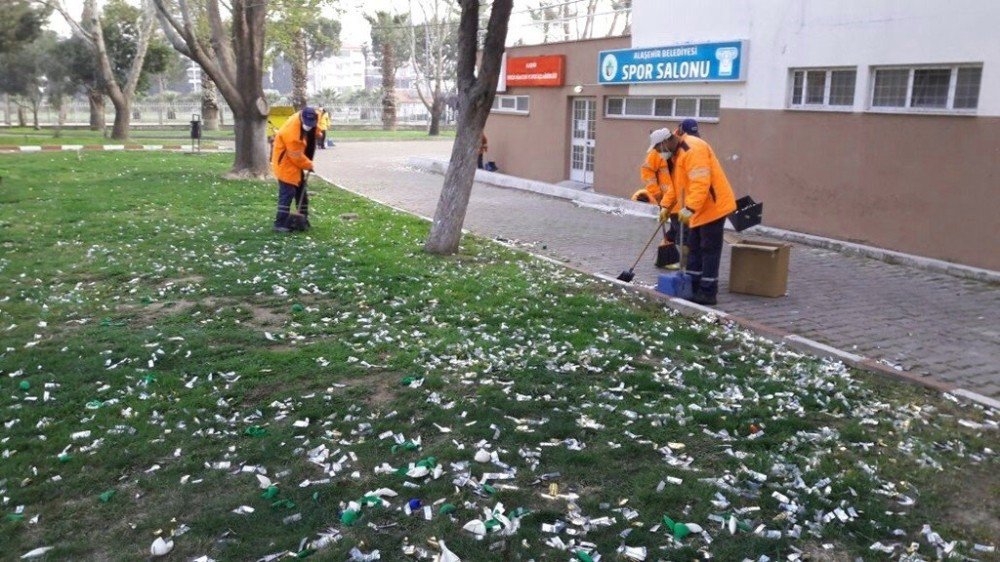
(342, 72)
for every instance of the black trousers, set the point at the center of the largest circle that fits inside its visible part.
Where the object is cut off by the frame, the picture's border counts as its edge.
(704, 254)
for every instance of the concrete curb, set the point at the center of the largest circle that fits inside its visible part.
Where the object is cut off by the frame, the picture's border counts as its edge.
(694, 310)
(625, 206)
(17, 149)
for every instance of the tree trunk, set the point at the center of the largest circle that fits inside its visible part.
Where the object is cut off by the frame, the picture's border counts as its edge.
(437, 107)
(476, 91)
(22, 119)
(299, 70)
(6, 110)
(388, 87)
(34, 116)
(123, 118)
(96, 99)
(209, 104)
(252, 159)
(446, 230)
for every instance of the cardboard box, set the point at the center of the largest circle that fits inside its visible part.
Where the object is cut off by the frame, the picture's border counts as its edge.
(759, 268)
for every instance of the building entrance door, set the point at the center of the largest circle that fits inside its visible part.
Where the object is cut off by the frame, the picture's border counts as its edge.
(581, 167)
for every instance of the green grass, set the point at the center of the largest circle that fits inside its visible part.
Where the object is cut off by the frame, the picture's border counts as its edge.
(26, 136)
(153, 290)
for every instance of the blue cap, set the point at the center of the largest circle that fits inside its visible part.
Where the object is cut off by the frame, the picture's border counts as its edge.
(690, 127)
(309, 117)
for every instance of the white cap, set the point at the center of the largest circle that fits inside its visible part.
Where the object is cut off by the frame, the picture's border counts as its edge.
(658, 136)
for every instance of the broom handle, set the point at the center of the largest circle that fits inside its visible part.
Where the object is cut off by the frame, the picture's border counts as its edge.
(680, 249)
(646, 247)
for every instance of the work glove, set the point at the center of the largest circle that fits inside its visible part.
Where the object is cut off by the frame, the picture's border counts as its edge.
(685, 215)
(664, 214)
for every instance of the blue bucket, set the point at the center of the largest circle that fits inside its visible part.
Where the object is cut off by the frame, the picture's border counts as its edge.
(677, 284)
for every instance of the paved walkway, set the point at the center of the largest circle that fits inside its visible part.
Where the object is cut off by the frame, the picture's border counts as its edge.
(926, 323)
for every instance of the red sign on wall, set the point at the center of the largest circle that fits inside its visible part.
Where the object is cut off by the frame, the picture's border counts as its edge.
(536, 71)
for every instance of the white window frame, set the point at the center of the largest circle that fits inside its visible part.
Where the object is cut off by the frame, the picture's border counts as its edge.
(500, 98)
(673, 109)
(908, 108)
(826, 105)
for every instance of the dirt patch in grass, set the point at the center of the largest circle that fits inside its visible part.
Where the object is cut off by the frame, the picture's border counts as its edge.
(264, 317)
(379, 387)
(153, 312)
(816, 553)
(181, 281)
(977, 511)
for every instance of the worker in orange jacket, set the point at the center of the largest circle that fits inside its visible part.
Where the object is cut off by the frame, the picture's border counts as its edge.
(655, 173)
(702, 191)
(322, 126)
(291, 158)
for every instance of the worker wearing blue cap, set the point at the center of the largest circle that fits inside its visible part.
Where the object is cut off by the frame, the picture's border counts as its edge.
(690, 127)
(291, 158)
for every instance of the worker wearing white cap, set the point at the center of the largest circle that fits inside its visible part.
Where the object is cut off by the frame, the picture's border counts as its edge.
(655, 173)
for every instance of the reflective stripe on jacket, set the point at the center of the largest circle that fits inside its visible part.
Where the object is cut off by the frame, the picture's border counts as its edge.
(655, 174)
(699, 177)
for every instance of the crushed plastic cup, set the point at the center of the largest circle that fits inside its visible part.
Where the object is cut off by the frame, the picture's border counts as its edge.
(24, 385)
(255, 431)
(447, 508)
(106, 496)
(349, 517)
(36, 553)
(583, 556)
(161, 547)
(94, 404)
(65, 457)
(270, 493)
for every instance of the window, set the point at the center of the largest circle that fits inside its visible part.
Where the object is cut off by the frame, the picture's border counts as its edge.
(930, 88)
(816, 88)
(510, 104)
(631, 107)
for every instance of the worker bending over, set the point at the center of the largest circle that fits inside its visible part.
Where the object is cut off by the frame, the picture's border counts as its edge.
(705, 197)
(291, 158)
(655, 173)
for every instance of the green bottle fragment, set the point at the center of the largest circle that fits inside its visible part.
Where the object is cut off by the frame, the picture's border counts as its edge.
(681, 530)
(106, 496)
(429, 462)
(519, 512)
(315, 497)
(305, 553)
(489, 489)
(669, 522)
(149, 379)
(405, 446)
(583, 556)
(283, 503)
(447, 508)
(65, 457)
(370, 500)
(255, 431)
(15, 517)
(349, 517)
(297, 307)
(407, 381)
(270, 493)
(24, 385)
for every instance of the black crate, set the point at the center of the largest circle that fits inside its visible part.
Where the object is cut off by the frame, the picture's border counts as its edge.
(748, 213)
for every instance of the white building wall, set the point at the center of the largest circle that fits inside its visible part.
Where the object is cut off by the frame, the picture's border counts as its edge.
(787, 34)
(344, 71)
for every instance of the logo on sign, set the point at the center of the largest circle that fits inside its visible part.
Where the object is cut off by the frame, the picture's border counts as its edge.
(726, 56)
(609, 67)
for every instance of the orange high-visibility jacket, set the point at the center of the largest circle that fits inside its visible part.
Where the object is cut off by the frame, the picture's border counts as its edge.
(655, 175)
(698, 176)
(288, 159)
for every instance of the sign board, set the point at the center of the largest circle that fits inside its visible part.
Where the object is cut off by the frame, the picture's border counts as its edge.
(547, 70)
(700, 62)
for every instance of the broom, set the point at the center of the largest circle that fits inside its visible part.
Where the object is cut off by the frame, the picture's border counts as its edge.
(628, 276)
